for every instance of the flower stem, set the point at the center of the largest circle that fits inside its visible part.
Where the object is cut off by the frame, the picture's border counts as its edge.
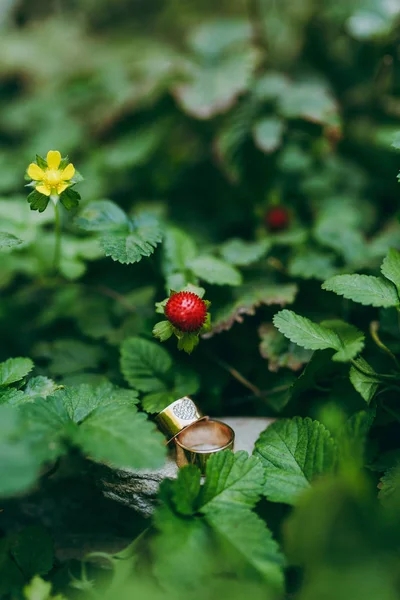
(57, 245)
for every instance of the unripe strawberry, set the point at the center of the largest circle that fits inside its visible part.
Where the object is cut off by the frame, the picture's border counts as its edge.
(277, 218)
(186, 311)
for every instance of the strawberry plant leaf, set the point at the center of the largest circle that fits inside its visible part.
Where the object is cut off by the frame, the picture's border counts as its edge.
(131, 246)
(240, 253)
(39, 387)
(125, 240)
(163, 330)
(102, 421)
(312, 264)
(119, 435)
(351, 338)
(19, 467)
(145, 365)
(178, 248)
(365, 289)
(231, 479)
(293, 453)
(305, 333)
(365, 380)
(8, 241)
(102, 215)
(250, 536)
(32, 550)
(14, 369)
(391, 267)
(186, 490)
(267, 134)
(215, 271)
(213, 87)
(12, 396)
(82, 400)
(248, 298)
(279, 351)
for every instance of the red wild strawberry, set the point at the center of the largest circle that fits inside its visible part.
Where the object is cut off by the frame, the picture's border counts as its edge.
(277, 218)
(186, 311)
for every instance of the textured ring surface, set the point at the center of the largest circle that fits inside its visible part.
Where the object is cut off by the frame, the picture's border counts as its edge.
(177, 416)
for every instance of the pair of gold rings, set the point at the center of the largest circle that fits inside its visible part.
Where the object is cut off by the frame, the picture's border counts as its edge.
(196, 437)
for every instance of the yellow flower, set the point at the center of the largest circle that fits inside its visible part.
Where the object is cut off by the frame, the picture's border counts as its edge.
(52, 180)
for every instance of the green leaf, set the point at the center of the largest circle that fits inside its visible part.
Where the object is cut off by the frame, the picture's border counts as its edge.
(117, 434)
(248, 298)
(38, 201)
(279, 351)
(69, 356)
(312, 264)
(8, 240)
(39, 387)
(70, 198)
(178, 248)
(294, 452)
(102, 421)
(32, 550)
(213, 87)
(391, 267)
(249, 535)
(14, 369)
(352, 438)
(188, 342)
(389, 487)
(12, 396)
(365, 380)
(102, 215)
(215, 271)
(80, 401)
(163, 330)
(271, 85)
(311, 101)
(128, 247)
(184, 546)
(351, 338)
(11, 579)
(365, 289)
(240, 253)
(231, 480)
(145, 364)
(38, 589)
(305, 333)
(41, 162)
(268, 134)
(186, 489)
(19, 466)
(125, 240)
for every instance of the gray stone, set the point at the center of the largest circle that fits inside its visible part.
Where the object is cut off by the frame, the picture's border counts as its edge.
(138, 488)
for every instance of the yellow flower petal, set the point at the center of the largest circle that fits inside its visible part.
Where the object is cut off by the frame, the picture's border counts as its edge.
(53, 159)
(43, 189)
(35, 172)
(61, 187)
(68, 172)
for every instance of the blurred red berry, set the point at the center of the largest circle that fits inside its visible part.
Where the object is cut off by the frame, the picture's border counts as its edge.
(277, 218)
(186, 311)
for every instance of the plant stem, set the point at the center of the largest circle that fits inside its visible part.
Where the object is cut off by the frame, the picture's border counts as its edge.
(238, 376)
(373, 328)
(255, 15)
(57, 245)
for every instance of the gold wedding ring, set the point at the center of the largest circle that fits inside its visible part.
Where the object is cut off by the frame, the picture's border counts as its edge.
(197, 443)
(177, 416)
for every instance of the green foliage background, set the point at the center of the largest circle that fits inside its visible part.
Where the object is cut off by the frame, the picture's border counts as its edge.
(188, 122)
